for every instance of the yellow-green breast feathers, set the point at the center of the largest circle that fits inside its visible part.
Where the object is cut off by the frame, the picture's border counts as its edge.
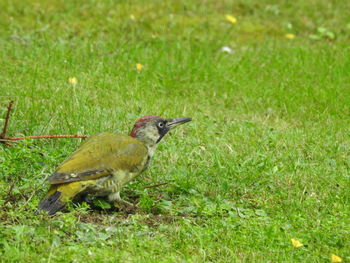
(99, 156)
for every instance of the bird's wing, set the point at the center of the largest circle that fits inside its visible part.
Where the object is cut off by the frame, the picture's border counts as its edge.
(101, 155)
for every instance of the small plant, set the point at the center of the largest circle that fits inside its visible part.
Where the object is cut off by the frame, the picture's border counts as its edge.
(322, 33)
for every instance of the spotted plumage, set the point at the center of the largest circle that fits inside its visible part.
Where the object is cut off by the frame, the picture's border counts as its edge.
(105, 162)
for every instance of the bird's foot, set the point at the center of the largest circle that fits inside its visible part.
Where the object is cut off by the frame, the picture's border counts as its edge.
(125, 206)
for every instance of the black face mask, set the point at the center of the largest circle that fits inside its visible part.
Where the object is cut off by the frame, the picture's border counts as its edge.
(162, 129)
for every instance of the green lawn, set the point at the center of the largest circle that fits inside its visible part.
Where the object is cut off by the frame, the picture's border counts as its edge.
(265, 159)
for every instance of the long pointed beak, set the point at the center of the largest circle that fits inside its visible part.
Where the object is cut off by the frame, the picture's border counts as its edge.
(172, 123)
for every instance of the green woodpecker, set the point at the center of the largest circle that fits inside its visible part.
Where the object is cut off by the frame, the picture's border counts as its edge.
(105, 162)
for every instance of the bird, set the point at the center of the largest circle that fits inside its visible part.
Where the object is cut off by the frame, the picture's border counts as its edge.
(105, 162)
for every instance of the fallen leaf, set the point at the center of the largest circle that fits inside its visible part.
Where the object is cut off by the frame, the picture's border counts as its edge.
(296, 243)
(289, 36)
(227, 49)
(231, 19)
(336, 259)
(72, 80)
(139, 66)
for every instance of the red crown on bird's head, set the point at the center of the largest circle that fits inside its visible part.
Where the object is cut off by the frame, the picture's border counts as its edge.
(142, 121)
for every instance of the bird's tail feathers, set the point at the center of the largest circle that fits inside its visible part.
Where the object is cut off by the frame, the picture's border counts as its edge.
(60, 194)
(52, 203)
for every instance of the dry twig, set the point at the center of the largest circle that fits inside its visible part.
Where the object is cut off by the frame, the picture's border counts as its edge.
(4, 130)
(45, 137)
(7, 116)
(156, 185)
(5, 140)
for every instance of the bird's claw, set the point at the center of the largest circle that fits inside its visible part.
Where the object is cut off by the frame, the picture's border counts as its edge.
(126, 207)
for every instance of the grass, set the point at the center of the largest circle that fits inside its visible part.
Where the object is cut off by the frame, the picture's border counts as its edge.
(266, 158)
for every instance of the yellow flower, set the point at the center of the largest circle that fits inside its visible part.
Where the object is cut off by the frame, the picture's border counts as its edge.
(289, 36)
(132, 17)
(336, 259)
(139, 66)
(296, 243)
(72, 80)
(231, 19)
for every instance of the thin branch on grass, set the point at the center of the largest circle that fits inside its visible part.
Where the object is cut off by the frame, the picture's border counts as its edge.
(4, 130)
(7, 116)
(45, 137)
(156, 185)
(5, 140)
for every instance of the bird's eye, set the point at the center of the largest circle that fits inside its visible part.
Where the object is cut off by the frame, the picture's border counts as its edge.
(160, 124)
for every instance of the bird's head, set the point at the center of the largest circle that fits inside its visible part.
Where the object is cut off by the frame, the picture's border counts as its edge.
(151, 129)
